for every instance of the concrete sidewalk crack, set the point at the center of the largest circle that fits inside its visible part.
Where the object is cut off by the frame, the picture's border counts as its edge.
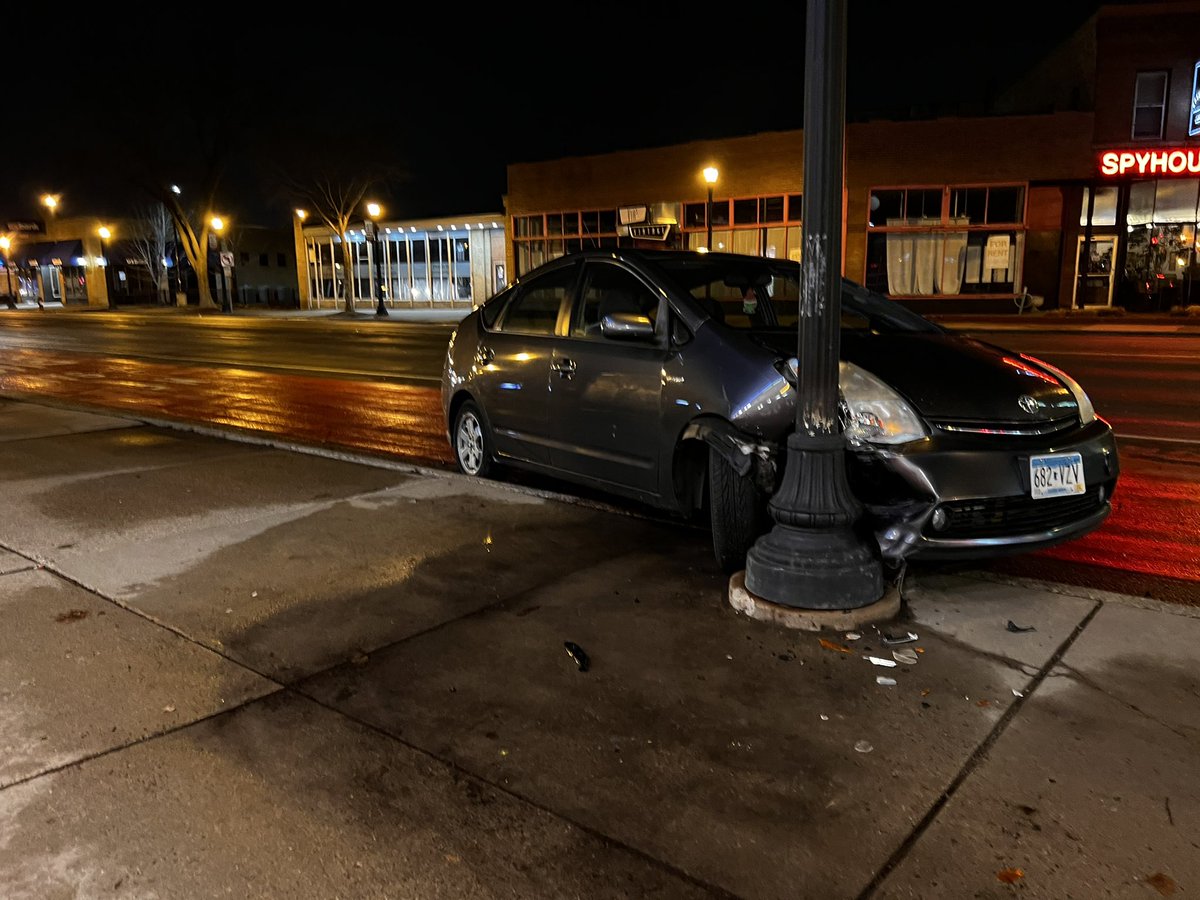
(975, 759)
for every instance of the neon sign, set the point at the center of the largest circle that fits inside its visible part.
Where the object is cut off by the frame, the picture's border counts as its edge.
(1164, 161)
(1194, 118)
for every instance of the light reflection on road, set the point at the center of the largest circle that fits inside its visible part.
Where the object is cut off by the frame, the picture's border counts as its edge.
(1154, 528)
(379, 418)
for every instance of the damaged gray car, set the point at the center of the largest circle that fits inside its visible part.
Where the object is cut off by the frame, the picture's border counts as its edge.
(669, 378)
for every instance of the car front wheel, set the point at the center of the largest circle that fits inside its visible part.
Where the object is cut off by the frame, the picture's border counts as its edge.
(736, 511)
(472, 446)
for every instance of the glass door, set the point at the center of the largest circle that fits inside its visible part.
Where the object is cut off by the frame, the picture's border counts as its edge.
(1094, 276)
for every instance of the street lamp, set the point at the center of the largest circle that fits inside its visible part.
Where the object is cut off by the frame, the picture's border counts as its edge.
(105, 234)
(218, 225)
(177, 270)
(710, 178)
(6, 246)
(50, 201)
(374, 211)
(813, 561)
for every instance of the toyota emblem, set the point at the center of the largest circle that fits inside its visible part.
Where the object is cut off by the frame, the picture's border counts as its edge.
(1028, 404)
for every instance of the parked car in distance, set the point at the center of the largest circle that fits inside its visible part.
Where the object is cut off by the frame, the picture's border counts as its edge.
(668, 377)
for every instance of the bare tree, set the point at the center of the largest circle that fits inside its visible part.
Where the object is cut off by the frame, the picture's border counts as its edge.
(337, 200)
(149, 244)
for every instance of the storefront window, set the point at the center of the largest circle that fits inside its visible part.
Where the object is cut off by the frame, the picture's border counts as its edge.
(1161, 255)
(943, 242)
(1141, 203)
(1104, 210)
(1175, 200)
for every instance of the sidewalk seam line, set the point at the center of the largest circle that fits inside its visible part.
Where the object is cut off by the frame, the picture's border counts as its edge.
(975, 759)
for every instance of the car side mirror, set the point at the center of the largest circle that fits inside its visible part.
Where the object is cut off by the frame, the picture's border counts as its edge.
(627, 327)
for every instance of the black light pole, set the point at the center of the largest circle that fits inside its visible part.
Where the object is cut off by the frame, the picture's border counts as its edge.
(710, 178)
(6, 246)
(218, 226)
(105, 234)
(178, 275)
(812, 558)
(372, 232)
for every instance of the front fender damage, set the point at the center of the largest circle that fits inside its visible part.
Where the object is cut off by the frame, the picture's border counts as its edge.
(745, 454)
(903, 499)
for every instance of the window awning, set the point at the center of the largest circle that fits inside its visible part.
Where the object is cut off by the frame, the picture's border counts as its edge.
(48, 253)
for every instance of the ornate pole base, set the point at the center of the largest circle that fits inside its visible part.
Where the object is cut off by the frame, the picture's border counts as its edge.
(813, 558)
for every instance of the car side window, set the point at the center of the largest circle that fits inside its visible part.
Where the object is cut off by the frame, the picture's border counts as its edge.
(535, 308)
(607, 289)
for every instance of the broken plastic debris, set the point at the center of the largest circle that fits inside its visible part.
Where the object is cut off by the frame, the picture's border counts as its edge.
(830, 645)
(169, 708)
(876, 661)
(884, 680)
(1010, 876)
(824, 718)
(852, 635)
(1019, 629)
(890, 639)
(863, 747)
(576, 653)
(1164, 884)
(1017, 693)
(908, 657)
(254, 593)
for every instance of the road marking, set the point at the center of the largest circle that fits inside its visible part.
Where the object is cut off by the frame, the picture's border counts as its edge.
(1190, 357)
(1163, 440)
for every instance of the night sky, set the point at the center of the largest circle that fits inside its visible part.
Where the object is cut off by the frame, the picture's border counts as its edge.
(445, 108)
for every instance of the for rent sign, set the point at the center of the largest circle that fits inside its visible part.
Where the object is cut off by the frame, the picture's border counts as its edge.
(1160, 161)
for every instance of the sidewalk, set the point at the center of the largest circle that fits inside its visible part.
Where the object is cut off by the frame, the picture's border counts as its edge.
(230, 669)
(427, 315)
(1185, 321)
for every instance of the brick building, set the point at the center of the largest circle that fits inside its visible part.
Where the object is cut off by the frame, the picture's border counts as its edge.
(1080, 187)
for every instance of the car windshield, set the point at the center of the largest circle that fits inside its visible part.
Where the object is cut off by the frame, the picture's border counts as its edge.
(755, 293)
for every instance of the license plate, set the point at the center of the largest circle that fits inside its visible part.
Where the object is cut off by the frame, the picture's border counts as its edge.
(1054, 476)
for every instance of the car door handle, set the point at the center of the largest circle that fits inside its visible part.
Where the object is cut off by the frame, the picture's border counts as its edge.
(564, 367)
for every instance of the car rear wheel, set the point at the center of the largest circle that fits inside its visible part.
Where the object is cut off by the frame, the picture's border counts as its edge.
(472, 444)
(736, 511)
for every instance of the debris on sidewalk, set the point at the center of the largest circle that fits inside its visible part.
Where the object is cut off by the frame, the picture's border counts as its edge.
(852, 635)
(831, 645)
(1010, 876)
(71, 615)
(1164, 884)
(885, 681)
(908, 657)
(877, 661)
(891, 639)
(1017, 693)
(1019, 629)
(576, 653)
(863, 747)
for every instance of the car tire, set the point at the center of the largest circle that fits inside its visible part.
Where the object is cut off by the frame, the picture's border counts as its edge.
(735, 510)
(471, 442)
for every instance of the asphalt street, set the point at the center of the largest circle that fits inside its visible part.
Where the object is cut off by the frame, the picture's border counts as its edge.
(230, 668)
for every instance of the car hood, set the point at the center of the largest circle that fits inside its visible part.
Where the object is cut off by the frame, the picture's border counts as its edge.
(948, 377)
